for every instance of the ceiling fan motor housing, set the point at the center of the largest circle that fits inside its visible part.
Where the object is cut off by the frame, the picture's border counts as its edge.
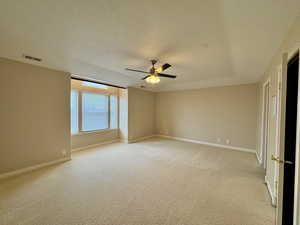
(153, 61)
(152, 70)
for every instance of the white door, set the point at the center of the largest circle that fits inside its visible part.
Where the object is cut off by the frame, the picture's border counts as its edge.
(280, 166)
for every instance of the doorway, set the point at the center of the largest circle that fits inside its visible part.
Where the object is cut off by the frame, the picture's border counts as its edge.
(290, 141)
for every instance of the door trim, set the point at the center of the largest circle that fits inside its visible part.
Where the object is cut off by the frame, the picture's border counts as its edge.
(278, 122)
(289, 56)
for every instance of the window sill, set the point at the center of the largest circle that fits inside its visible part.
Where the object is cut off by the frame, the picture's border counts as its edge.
(94, 132)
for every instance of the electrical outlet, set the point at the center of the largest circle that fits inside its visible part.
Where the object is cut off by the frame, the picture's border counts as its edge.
(227, 141)
(218, 140)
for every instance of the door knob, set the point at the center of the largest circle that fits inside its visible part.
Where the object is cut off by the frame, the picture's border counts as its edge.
(281, 161)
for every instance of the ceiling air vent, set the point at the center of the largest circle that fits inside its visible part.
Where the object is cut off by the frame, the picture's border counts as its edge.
(32, 58)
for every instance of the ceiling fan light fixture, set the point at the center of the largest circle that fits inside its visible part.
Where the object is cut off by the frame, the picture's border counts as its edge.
(154, 74)
(153, 79)
(159, 70)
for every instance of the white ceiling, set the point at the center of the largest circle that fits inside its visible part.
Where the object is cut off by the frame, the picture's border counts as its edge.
(208, 42)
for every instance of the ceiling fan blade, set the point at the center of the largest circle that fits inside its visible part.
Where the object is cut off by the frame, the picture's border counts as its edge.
(140, 71)
(166, 75)
(146, 77)
(163, 67)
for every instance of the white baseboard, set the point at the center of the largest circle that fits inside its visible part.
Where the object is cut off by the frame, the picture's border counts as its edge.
(209, 144)
(141, 139)
(273, 197)
(32, 168)
(95, 145)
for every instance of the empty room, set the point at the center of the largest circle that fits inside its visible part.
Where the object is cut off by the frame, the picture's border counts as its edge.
(149, 112)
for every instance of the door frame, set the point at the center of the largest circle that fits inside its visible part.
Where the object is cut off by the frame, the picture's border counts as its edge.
(264, 133)
(288, 56)
(278, 122)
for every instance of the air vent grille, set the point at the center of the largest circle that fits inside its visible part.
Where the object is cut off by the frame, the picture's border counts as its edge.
(32, 58)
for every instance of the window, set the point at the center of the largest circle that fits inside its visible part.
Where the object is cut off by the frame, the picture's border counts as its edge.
(93, 107)
(94, 111)
(113, 111)
(95, 85)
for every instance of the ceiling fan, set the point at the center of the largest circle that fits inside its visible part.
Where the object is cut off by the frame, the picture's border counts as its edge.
(155, 73)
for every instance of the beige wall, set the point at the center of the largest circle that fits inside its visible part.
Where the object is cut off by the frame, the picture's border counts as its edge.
(210, 113)
(123, 114)
(34, 115)
(291, 42)
(141, 113)
(82, 140)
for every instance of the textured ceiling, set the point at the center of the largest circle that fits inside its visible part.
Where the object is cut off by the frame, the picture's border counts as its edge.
(209, 43)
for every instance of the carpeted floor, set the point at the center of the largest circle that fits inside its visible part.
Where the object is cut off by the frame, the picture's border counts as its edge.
(154, 182)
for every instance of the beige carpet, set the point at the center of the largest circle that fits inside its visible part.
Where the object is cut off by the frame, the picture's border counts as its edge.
(154, 182)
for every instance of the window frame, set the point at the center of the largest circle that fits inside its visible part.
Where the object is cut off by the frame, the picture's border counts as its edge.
(80, 116)
(77, 113)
